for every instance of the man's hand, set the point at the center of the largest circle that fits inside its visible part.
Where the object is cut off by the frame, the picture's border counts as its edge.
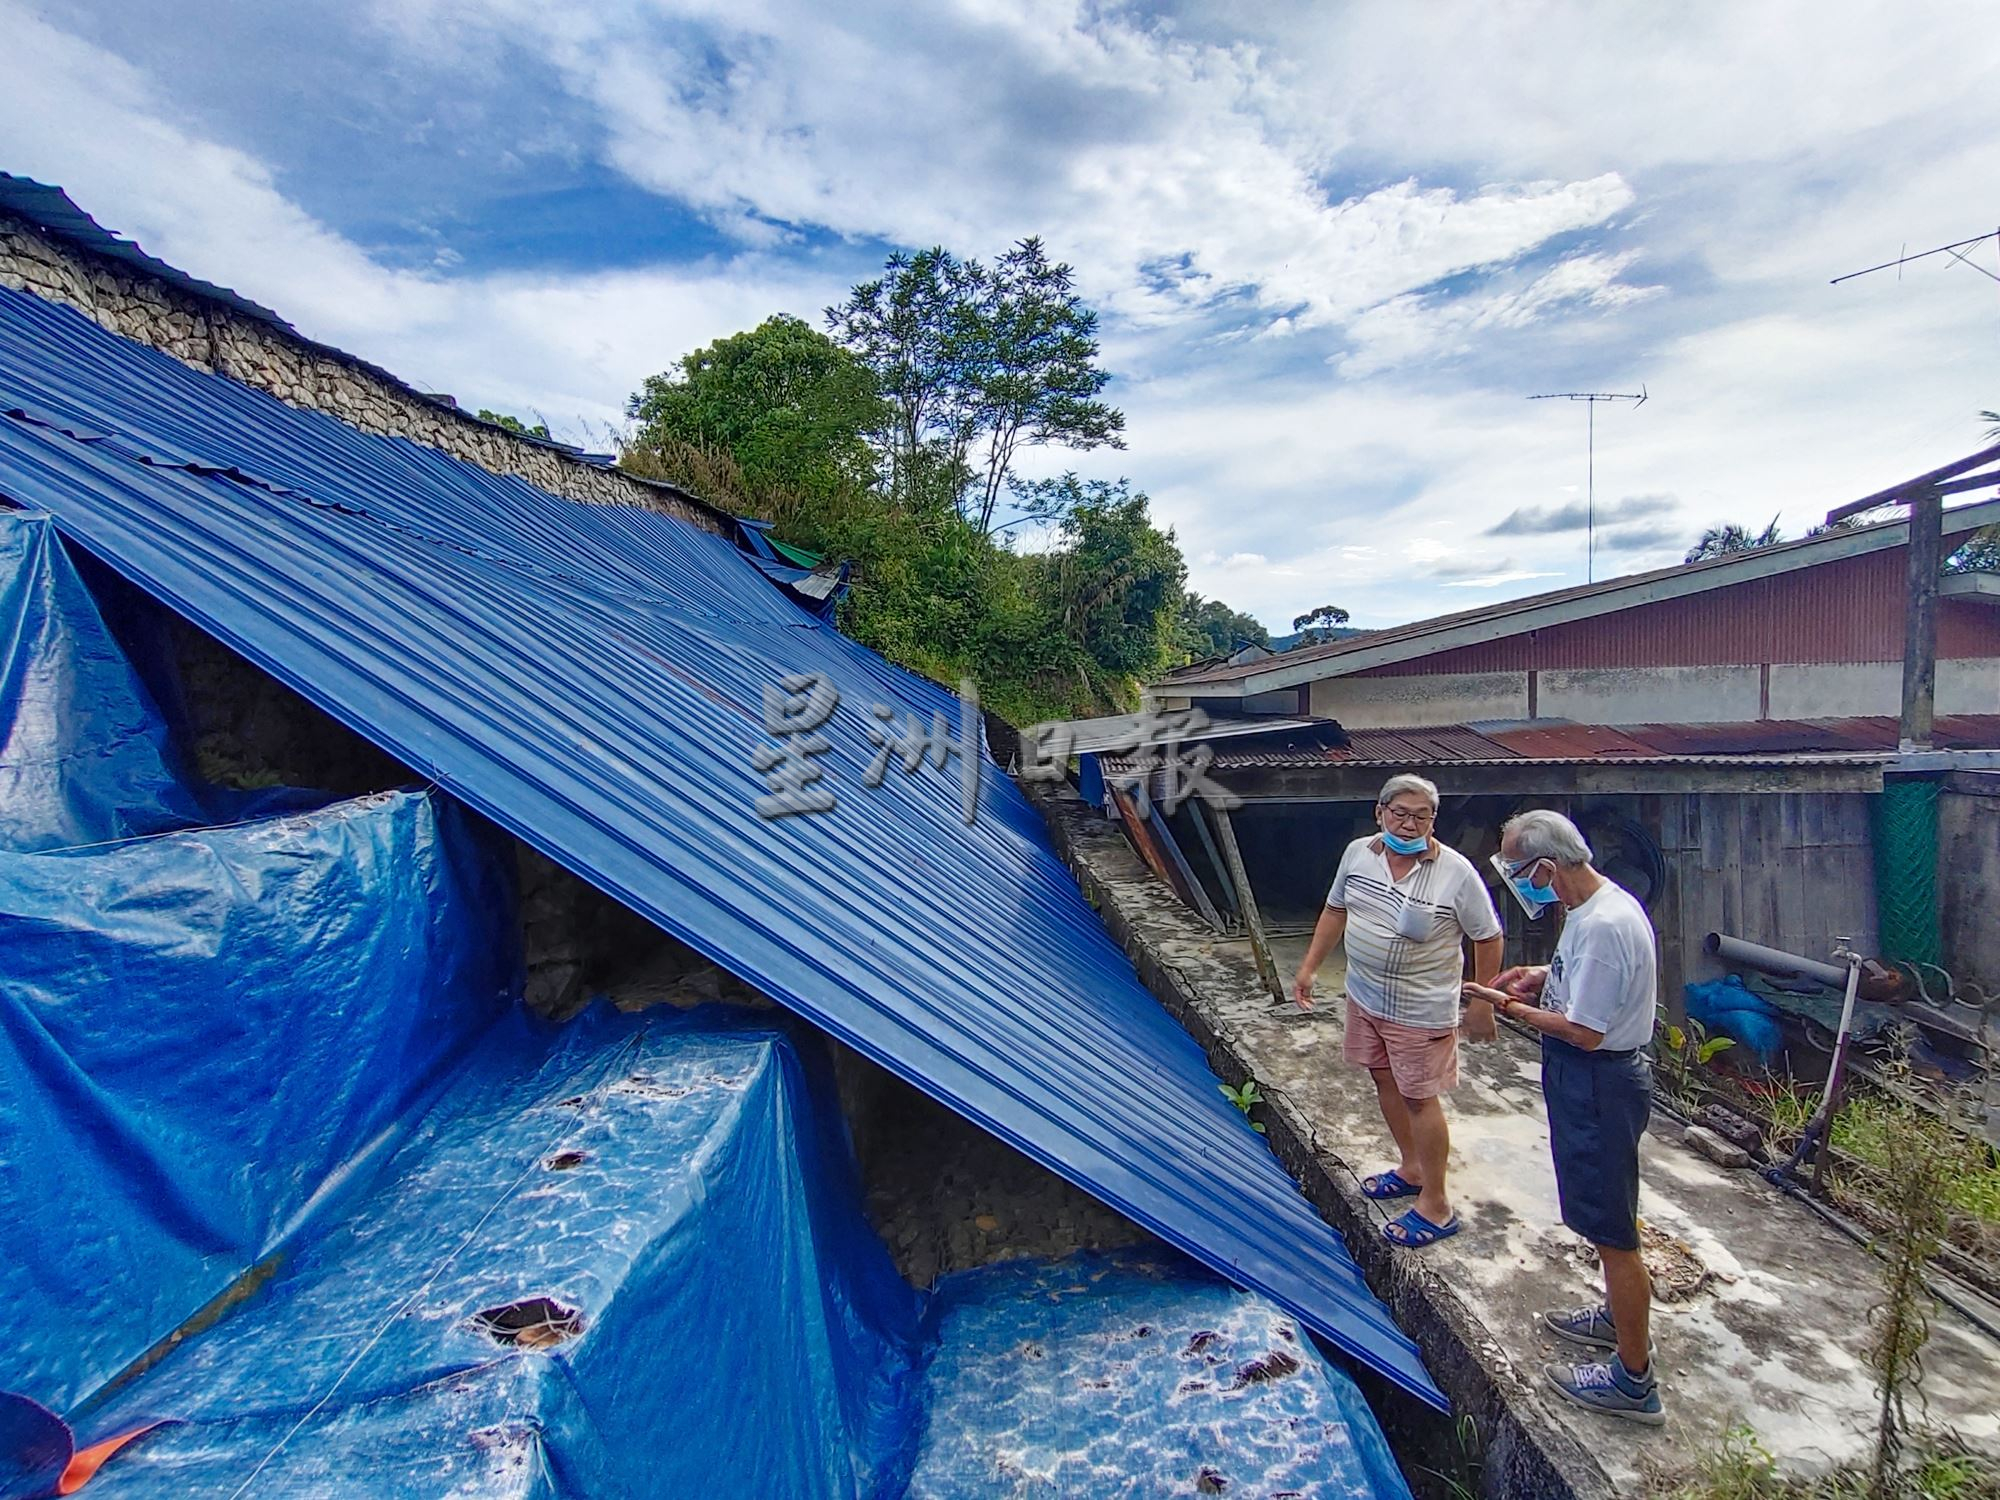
(1479, 994)
(1524, 982)
(1302, 989)
(1477, 1024)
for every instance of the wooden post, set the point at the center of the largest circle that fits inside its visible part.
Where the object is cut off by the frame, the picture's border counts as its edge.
(1920, 623)
(1223, 880)
(1247, 903)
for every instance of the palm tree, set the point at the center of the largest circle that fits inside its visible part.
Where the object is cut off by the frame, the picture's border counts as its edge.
(1720, 541)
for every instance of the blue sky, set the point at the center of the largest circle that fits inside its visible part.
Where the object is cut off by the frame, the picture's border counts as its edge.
(1336, 248)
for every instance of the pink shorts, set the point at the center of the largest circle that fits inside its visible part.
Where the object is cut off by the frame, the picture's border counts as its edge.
(1423, 1061)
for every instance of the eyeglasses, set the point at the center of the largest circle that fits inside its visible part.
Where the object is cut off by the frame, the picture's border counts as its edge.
(1512, 867)
(1416, 816)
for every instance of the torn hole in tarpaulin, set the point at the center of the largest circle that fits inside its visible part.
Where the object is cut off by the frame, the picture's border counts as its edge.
(533, 1323)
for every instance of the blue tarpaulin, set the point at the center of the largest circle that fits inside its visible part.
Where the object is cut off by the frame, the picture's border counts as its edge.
(1134, 1375)
(300, 1205)
(594, 679)
(84, 757)
(623, 1259)
(201, 1031)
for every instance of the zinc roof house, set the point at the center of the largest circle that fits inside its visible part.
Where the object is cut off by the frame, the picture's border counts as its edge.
(1801, 630)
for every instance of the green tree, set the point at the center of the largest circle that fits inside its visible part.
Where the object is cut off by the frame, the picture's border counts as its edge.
(1208, 627)
(1319, 625)
(513, 424)
(791, 405)
(1037, 376)
(916, 327)
(1116, 585)
(1723, 539)
(976, 363)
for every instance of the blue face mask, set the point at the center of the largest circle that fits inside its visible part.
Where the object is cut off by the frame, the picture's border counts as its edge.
(1404, 846)
(1535, 896)
(1534, 899)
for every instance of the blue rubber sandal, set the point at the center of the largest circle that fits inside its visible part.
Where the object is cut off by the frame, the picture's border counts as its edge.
(1385, 1186)
(1413, 1231)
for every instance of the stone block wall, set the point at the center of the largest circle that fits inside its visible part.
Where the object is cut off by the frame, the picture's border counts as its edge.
(215, 337)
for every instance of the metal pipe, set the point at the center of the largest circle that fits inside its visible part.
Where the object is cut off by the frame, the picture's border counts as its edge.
(1820, 1132)
(1734, 950)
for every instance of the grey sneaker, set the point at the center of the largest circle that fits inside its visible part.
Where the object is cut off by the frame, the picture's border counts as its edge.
(1589, 1326)
(1609, 1390)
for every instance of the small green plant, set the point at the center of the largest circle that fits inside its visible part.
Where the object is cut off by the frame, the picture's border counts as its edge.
(1937, 1466)
(1870, 1127)
(1246, 1098)
(1463, 1482)
(1689, 1047)
(1737, 1468)
(1791, 1109)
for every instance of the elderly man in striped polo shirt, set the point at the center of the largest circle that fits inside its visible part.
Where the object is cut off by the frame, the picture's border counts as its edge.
(1403, 902)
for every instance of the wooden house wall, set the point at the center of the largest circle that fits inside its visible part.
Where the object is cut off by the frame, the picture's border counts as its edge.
(1790, 870)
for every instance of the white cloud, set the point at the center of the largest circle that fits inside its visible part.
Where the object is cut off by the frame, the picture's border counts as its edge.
(1498, 580)
(1418, 325)
(566, 348)
(1459, 205)
(1155, 163)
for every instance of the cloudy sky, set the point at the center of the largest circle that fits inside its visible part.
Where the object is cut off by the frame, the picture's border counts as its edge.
(1336, 248)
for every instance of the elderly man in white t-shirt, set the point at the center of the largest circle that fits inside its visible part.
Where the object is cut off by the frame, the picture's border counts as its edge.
(1403, 903)
(1593, 1005)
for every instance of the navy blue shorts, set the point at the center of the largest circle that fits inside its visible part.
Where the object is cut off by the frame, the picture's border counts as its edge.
(1598, 1104)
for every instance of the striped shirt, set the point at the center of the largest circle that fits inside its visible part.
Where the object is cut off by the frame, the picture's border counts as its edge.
(1403, 957)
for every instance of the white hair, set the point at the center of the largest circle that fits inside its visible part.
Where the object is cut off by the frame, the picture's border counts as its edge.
(1542, 834)
(1396, 785)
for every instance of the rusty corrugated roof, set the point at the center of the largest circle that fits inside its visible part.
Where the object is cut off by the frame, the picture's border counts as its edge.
(1556, 742)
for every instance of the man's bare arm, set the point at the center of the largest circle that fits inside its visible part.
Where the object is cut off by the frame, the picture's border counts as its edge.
(1327, 933)
(1562, 1028)
(1477, 1025)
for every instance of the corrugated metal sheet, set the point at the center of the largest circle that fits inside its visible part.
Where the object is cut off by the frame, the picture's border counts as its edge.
(591, 678)
(1115, 732)
(1765, 742)
(1819, 610)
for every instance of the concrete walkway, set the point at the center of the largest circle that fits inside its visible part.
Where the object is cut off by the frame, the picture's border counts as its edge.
(1771, 1321)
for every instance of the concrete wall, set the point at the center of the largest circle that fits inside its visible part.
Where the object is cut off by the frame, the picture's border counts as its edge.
(1407, 702)
(216, 338)
(1964, 686)
(1651, 695)
(1969, 877)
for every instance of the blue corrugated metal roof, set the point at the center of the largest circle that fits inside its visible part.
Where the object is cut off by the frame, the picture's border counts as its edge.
(591, 677)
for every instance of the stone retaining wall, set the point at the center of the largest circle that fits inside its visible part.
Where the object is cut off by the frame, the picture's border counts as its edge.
(215, 337)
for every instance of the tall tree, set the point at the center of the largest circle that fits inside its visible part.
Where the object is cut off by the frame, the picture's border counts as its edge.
(1208, 627)
(1723, 539)
(976, 364)
(1320, 625)
(1117, 581)
(1037, 377)
(791, 405)
(916, 326)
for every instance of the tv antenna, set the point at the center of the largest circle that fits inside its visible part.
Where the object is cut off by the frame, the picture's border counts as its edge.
(1955, 250)
(1590, 400)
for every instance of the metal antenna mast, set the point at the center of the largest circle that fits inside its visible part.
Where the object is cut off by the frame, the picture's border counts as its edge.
(1590, 400)
(1953, 250)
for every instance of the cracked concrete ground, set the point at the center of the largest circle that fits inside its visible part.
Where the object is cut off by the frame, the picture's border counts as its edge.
(1774, 1337)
